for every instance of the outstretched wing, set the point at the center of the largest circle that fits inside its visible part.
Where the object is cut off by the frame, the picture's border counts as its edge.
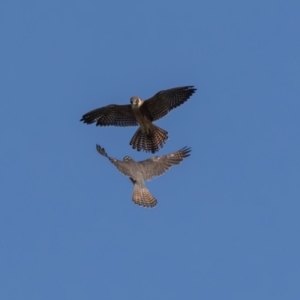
(115, 115)
(122, 166)
(164, 101)
(158, 165)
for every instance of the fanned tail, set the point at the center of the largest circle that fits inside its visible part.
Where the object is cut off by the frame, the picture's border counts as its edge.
(141, 196)
(149, 142)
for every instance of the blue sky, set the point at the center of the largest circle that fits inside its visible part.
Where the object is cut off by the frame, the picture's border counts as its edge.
(227, 221)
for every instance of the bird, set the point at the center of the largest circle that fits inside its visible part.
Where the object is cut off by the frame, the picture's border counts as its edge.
(141, 171)
(142, 113)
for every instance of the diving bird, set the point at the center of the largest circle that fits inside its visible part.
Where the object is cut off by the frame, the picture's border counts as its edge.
(142, 113)
(141, 171)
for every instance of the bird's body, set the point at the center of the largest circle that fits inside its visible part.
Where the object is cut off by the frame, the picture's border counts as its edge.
(141, 171)
(143, 113)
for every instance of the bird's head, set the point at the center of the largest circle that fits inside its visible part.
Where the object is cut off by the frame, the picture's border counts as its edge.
(135, 101)
(127, 158)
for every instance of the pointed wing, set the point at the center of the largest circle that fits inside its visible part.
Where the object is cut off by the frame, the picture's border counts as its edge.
(115, 115)
(122, 166)
(158, 165)
(164, 101)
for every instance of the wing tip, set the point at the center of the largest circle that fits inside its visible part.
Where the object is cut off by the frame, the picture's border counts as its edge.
(87, 119)
(186, 151)
(191, 89)
(101, 150)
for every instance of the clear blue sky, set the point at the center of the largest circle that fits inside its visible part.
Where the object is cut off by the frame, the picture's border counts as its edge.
(227, 221)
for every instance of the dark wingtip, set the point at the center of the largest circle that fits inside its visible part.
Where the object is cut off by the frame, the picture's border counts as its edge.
(86, 119)
(186, 151)
(101, 150)
(192, 89)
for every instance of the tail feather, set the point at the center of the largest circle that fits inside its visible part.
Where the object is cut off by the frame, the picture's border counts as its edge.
(141, 196)
(149, 142)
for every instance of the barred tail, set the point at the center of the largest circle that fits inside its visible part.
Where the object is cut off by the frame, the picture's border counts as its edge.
(141, 196)
(149, 142)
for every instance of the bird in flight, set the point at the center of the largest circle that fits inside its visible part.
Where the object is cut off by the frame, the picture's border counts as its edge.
(142, 113)
(141, 171)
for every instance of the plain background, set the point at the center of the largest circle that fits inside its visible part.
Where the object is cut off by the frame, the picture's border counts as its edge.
(227, 221)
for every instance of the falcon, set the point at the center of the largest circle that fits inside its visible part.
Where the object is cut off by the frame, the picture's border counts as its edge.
(142, 113)
(141, 171)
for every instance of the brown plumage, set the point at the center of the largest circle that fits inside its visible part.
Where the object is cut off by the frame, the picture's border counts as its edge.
(150, 142)
(141, 196)
(141, 171)
(148, 137)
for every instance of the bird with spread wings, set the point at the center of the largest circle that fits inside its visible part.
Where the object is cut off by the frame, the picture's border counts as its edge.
(142, 113)
(141, 171)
